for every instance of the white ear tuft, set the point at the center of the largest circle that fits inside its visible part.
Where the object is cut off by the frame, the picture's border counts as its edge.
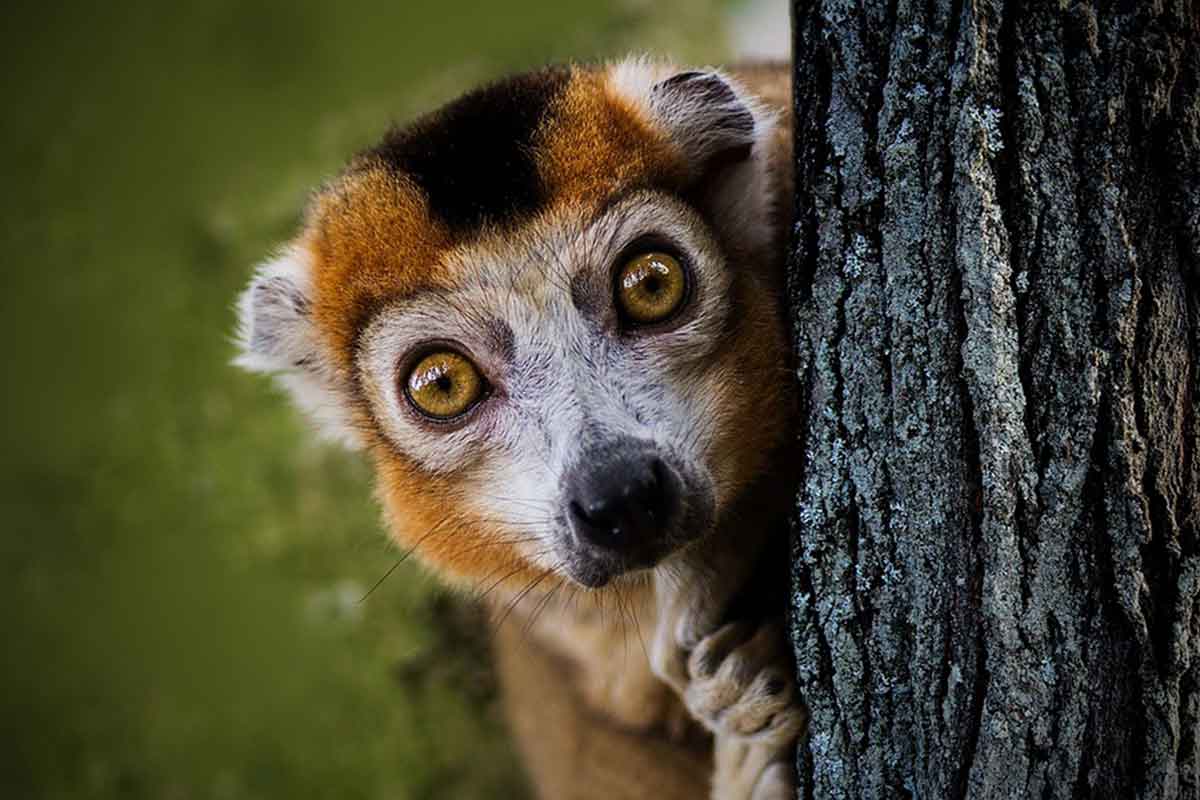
(723, 131)
(275, 332)
(705, 113)
(277, 335)
(706, 118)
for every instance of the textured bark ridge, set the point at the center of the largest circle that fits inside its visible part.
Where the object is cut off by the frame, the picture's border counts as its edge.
(996, 295)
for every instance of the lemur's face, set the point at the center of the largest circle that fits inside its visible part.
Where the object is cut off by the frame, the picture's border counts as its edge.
(547, 312)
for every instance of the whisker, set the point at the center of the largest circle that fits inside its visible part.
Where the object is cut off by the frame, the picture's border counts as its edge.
(478, 597)
(405, 557)
(384, 577)
(520, 566)
(521, 595)
(497, 543)
(539, 608)
(535, 504)
(619, 601)
(637, 627)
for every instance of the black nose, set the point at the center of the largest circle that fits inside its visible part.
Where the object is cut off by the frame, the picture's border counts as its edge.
(620, 503)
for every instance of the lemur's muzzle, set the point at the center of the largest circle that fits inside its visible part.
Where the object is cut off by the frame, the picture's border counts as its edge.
(621, 501)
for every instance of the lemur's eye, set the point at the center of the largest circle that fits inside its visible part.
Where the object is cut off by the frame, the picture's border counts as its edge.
(444, 384)
(650, 287)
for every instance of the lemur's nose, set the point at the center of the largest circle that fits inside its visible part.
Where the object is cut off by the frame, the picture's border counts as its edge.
(620, 503)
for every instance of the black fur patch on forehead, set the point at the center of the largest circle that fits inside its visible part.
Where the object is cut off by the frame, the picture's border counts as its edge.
(475, 158)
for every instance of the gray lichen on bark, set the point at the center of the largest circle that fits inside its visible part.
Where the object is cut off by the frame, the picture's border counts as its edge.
(995, 283)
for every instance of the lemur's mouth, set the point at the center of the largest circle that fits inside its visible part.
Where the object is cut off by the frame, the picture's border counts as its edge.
(595, 572)
(628, 509)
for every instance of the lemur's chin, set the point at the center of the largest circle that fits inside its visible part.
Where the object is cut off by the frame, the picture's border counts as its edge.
(596, 570)
(591, 576)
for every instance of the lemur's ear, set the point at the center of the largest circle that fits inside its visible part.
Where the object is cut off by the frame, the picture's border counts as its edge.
(705, 117)
(274, 328)
(723, 134)
(277, 335)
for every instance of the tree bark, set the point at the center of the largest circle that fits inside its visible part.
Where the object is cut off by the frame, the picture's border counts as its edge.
(995, 282)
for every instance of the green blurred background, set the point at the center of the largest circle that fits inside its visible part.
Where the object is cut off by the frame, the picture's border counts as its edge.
(182, 564)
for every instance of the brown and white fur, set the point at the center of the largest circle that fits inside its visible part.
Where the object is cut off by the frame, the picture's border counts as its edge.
(494, 225)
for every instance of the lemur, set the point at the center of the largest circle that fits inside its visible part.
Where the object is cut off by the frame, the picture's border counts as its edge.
(550, 313)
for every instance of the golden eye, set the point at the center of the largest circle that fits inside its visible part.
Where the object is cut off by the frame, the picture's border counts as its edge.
(444, 384)
(651, 287)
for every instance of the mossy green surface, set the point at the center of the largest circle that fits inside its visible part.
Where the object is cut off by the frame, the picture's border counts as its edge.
(182, 563)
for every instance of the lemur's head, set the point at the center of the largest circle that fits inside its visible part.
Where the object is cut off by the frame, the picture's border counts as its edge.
(547, 311)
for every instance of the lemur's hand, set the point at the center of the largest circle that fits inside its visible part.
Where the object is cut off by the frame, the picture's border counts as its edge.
(740, 685)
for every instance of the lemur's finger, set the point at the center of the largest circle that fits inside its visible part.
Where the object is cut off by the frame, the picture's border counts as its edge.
(714, 650)
(736, 653)
(763, 710)
(740, 686)
(762, 707)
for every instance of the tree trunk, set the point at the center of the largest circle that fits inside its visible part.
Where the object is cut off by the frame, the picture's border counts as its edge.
(996, 294)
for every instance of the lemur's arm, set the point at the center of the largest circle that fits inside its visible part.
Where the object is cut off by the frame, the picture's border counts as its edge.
(733, 677)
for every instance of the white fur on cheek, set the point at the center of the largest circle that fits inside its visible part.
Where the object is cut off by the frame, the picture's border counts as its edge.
(519, 496)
